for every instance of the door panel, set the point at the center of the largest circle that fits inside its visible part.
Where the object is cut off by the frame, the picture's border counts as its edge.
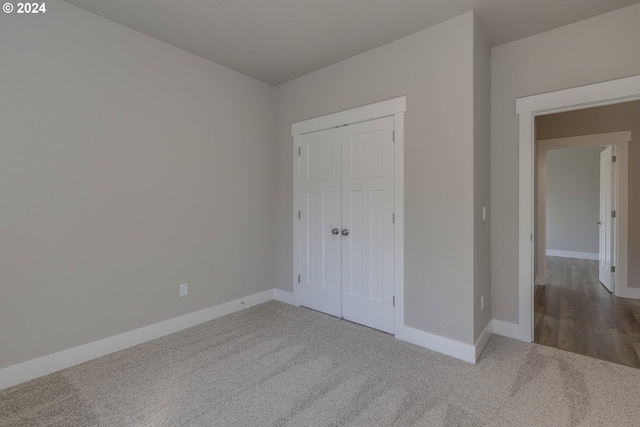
(319, 208)
(376, 249)
(606, 223)
(367, 212)
(353, 284)
(320, 184)
(367, 155)
(347, 184)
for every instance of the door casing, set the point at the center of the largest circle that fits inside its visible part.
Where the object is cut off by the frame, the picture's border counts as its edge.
(527, 108)
(583, 141)
(395, 108)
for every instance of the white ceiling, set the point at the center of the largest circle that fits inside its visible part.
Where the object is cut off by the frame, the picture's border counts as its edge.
(279, 40)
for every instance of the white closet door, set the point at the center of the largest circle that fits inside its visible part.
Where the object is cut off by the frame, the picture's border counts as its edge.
(367, 216)
(320, 183)
(606, 223)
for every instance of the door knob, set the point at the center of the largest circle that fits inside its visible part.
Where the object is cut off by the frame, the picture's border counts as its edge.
(598, 222)
(345, 232)
(335, 231)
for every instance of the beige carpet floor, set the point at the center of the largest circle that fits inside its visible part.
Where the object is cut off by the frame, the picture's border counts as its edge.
(275, 364)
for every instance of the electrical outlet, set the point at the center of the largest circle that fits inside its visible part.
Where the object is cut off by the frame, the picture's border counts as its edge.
(184, 289)
(482, 303)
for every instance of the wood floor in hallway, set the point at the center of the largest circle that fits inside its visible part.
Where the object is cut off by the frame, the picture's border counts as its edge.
(575, 312)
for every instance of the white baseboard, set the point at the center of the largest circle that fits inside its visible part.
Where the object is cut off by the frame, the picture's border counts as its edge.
(26, 371)
(628, 292)
(32, 369)
(483, 339)
(573, 254)
(506, 329)
(457, 349)
(283, 296)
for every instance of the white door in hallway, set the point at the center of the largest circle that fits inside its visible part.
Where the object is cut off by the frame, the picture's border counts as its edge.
(606, 222)
(347, 248)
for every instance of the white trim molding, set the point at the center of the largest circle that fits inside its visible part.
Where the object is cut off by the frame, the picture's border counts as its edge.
(573, 254)
(447, 346)
(506, 329)
(581, 97)
(45, 365)
(398, 250)
(581, 141)
(527, 108)
(283, 296)
(51, 363)
(459, 350)
(355, 115)
(395, 108)
(628, 292)
(483, 339)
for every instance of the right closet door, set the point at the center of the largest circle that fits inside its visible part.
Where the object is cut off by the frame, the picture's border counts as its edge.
(347, 180)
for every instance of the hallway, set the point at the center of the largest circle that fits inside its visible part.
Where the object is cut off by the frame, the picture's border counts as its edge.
(575, 312)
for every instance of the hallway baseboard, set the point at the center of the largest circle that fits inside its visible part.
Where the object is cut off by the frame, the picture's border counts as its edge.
(573, 254)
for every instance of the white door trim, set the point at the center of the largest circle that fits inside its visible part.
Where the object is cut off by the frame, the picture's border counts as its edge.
(615, 139)
(393, 107)
(374, 111)
(598, 94)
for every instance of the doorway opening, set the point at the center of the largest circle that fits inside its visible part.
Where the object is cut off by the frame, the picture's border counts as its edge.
(575, 308)
(528, 108)
(580, 188)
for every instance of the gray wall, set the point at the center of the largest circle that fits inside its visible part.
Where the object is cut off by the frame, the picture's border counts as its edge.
(573, 199)
(481, 183)
(590, 51)
(611, 118)
(433, 68)
(127, 167)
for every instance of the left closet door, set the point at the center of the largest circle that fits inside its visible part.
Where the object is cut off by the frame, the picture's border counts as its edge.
(320, 185)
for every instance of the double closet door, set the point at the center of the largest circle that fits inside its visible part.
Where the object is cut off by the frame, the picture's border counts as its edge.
(347, 222)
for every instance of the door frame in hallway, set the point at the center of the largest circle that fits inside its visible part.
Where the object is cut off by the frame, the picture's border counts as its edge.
(395, 108)
(527, 108)
(610, 139)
